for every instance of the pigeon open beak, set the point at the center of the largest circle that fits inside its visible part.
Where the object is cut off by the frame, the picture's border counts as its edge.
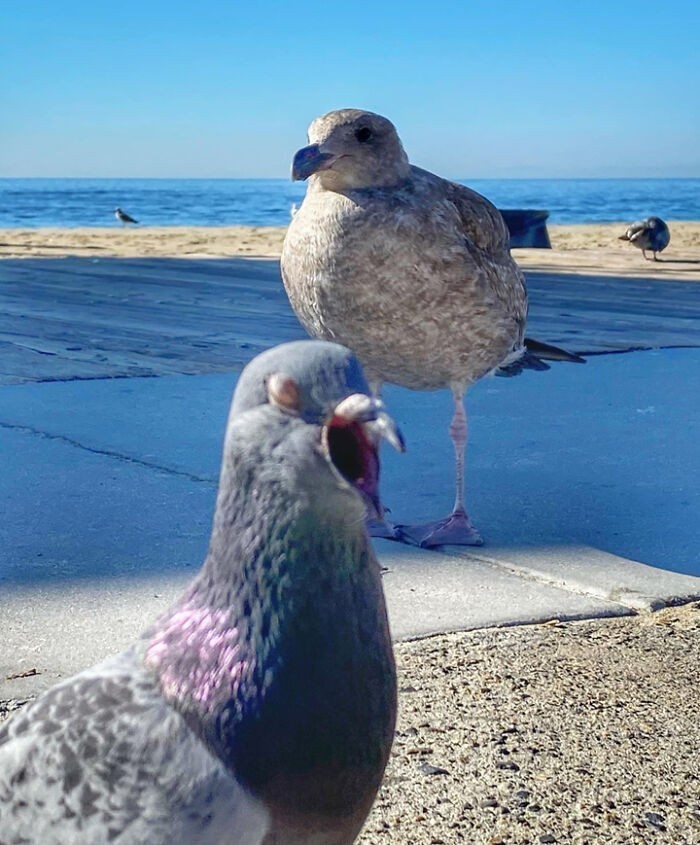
(352, 436)
(309, 160)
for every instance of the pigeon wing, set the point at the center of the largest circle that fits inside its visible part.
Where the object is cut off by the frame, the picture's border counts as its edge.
(103, 757)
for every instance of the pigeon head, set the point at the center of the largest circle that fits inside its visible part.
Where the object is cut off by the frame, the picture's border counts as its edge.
(324, 373)
(351, 149)
(311, 400)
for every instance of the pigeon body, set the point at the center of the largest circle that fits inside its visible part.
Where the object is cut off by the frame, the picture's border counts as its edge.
(260, 709)
(651, 234)
(123, 217)
(411, 271)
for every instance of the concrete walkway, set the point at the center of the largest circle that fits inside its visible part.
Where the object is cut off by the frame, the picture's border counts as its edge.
(583, 481)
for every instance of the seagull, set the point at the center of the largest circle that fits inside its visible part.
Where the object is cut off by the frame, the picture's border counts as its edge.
(123, 217)
(409, 270)
(261, 707)
(650, 234)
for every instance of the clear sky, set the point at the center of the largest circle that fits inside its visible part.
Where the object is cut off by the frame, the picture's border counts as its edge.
(476, 89)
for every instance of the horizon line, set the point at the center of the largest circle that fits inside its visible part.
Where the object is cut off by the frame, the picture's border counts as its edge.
(287, 179)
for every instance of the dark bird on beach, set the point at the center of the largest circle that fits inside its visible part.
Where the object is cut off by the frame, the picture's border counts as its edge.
(651, 234)
(123, 217)
(260, 708)
(409, 270)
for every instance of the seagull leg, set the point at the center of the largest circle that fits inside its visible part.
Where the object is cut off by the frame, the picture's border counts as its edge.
(455, 529)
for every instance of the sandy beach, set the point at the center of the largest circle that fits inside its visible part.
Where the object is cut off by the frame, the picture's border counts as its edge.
(585, 248)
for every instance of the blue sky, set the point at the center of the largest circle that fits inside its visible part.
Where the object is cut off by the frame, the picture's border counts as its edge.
(476, 89)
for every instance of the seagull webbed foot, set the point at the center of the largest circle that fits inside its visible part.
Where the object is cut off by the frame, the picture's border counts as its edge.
(454, 530)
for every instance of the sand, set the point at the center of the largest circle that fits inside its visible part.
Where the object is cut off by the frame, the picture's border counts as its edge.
(586, 248)
(573, 733)
(170, 241)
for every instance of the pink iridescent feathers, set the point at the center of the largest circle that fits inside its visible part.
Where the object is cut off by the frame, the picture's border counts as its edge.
(215, 666)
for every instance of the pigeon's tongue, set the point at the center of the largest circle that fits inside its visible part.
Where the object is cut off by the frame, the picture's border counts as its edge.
(354, 454)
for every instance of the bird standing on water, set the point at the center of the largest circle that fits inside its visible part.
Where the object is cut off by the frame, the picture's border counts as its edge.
(123, 217)
(411, 271)
(260, 709)
(651, 234)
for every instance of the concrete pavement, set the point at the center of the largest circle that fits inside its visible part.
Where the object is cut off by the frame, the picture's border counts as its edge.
(582, 480)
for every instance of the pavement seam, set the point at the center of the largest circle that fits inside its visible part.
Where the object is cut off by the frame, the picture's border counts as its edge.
(108, 453)
(536, 577)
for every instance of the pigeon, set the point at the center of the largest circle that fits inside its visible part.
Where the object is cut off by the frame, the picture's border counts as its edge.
(261, 707)
(409, 270)
(650, 234)
(123, 217)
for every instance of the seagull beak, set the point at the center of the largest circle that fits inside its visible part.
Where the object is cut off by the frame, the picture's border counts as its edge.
(309, 160)
(352, 438)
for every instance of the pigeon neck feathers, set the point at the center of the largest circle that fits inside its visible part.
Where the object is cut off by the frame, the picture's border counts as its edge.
(250, 656)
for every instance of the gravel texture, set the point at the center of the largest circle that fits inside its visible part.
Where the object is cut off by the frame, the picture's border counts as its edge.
(581, 733)
(573, 733)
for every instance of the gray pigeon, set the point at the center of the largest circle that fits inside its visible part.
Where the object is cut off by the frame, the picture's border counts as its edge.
(650, 234)
(260, 709)
(411, 271)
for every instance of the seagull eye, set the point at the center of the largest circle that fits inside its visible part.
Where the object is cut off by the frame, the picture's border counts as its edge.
(363, 134)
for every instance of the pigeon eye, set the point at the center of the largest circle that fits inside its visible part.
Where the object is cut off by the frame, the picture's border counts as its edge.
(363, 134)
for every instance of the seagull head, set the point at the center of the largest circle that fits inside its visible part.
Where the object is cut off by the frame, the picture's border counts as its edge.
(352, 149)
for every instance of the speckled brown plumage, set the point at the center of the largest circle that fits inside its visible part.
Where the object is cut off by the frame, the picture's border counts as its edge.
(411, 271)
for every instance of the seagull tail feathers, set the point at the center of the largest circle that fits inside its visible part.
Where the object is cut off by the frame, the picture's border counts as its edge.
(535, 357)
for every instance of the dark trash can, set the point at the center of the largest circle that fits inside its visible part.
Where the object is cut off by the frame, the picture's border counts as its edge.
(527, 227)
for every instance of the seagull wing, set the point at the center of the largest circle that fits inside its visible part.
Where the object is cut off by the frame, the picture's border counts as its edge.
(634, 231)
(487, 237)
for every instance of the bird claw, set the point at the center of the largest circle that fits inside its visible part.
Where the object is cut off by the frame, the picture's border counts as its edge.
(381, 529)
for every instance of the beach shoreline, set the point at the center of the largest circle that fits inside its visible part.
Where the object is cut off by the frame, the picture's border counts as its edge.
(593, 249)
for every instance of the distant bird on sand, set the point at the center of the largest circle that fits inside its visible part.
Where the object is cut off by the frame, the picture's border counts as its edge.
(409, 270)
(123, 217)
(260, 708)
(651, 234)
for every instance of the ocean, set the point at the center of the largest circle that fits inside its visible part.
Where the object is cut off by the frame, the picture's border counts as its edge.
(33, 203)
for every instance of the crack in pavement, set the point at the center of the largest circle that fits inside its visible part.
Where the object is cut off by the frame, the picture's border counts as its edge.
(108, 453)
(538, 577)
